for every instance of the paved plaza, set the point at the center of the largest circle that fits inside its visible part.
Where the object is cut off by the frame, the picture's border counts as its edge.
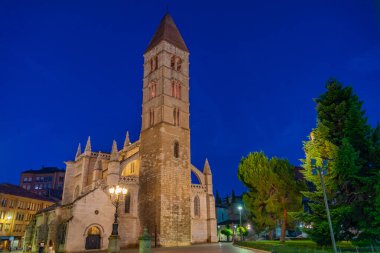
(201, 248)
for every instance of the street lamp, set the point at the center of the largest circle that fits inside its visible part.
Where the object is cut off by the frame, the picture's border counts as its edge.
(322, 171)
(115, 193)
(240, 208)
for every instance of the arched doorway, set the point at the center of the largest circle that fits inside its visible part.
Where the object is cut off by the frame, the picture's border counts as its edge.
(93, 238)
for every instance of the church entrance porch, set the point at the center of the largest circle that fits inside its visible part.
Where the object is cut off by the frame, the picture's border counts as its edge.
(93, 238)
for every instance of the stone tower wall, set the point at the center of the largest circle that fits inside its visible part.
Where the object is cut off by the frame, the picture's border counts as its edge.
(164, 179)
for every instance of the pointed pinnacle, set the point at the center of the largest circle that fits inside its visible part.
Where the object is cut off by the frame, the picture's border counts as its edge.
(88, 144)
(127, 142)
(79, 152)
(206, 168)
(114, 152)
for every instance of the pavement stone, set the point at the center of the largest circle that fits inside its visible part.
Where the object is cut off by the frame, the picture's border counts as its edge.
(199, 248)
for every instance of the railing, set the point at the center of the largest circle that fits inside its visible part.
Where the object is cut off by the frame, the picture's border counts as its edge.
(129, 180)
(198, 188)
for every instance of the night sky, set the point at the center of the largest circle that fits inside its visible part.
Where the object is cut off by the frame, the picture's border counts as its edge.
(70, 69)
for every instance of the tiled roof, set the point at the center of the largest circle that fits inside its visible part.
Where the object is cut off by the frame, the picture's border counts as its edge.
(168, 31)
(44, 170)
(21, 192)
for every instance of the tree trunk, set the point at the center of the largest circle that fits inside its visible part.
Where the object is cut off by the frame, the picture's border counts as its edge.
(271, 235)
(283, 227)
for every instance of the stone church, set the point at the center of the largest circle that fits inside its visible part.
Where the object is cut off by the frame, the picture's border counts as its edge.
(156, 170)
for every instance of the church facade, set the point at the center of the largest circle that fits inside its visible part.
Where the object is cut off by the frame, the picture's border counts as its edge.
(156, 170)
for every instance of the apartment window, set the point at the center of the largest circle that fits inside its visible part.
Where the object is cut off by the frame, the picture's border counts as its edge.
(11, 203)
(7, 227)
(1, 227)
(2, 215)
(60, 179)
(4, 202)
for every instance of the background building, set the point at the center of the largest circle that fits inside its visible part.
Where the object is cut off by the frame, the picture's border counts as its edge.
(17, 208)
(228, 214)
(47, 181)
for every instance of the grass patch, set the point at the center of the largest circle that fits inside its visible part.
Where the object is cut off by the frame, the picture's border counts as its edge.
(301, 246)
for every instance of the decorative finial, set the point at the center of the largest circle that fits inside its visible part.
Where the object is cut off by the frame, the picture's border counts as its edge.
(114, 152)
(79, 152)
(206, 168)
(88, 145)
(127, 142)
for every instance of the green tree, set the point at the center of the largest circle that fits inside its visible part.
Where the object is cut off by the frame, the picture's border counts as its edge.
(241, 231)
(343, 135)
(272, 190)
(227, 232)
(233, 197)
(218, 200)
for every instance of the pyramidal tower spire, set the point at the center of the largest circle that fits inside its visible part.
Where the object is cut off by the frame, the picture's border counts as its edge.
(206, 168)
(114, 152)
(79, 152)
(127, 142)
(167, 31)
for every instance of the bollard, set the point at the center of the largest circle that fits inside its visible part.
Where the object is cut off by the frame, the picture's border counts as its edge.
(144, 242)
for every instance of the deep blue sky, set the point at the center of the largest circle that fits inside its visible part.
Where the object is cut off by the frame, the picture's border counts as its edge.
(69, 69)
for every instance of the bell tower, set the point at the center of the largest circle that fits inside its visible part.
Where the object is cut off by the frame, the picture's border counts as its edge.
(165, 183)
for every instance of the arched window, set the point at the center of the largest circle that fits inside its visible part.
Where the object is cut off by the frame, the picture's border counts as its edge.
(176, 149)
(197, 206)
(179, 64)
(76, 192)
(172, 62)
(152, 89)
(93, 231)
(176, 116)
(176, 89)
(127, 201)
(151, 117)
(151, 65)
(156, 62)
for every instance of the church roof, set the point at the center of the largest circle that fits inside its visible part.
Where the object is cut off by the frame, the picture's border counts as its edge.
(168, 31)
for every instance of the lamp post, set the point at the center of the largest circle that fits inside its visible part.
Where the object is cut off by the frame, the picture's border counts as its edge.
(240, 208)
(115, 193)
(322, 171)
